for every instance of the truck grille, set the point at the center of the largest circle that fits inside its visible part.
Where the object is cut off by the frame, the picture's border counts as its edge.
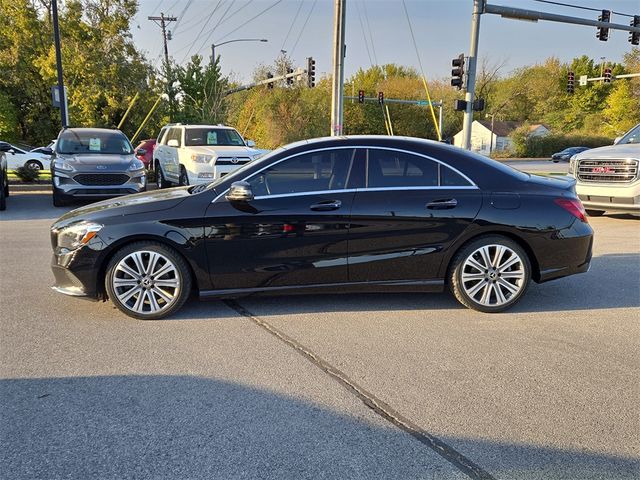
(101, 178)
(608, 171)
(229, 160)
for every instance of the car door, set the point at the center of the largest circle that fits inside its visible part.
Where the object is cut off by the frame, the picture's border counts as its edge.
(16, 158)
(412, 208)
(295, 230)
(170, 158)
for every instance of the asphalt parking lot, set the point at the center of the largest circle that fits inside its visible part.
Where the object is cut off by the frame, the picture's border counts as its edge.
(408, 386)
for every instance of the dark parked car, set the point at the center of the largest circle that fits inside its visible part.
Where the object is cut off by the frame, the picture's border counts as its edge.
(93, 163)
(4, 181)
(566, 154)
(346, 214)
(144, 151)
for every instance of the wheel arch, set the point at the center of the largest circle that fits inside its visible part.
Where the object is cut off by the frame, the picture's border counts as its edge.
(533, 260)
(122, 243)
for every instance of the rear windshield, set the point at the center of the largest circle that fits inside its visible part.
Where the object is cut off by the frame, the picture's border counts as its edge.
(212, 136)
(93, 142)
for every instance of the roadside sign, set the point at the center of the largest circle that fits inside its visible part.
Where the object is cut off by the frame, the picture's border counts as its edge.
(55, 96)
(583, 80)
(423, 103)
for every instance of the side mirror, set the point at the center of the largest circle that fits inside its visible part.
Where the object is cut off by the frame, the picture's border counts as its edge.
(5, 147)
(240, 192)
(615, 142)
(47, 151)
(173, 143)
(251, 144)
(141, 152)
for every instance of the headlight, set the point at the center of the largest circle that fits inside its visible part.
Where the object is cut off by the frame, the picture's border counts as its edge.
(62, 165)
(76, 235)
(201, 158)
(136, 165)
(572, 166)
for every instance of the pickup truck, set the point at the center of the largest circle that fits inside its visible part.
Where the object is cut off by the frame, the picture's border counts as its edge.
(607, 178)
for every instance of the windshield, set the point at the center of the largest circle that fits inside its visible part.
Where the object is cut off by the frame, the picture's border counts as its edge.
(212, 136)
(632, 136)
(93, 142)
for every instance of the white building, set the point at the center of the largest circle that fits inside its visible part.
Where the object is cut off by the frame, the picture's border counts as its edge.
(485, 141)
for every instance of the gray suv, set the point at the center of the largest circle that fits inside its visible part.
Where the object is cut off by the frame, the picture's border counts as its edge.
(94, 163)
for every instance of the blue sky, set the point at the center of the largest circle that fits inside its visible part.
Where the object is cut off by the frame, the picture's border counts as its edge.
(441, 28)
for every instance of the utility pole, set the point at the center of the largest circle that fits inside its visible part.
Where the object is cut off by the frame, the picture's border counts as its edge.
(478, 8)
(163, 25)
(64, 113)
(337, 96)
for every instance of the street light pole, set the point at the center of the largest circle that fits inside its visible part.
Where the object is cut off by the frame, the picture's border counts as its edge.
(213, 45)
(64, 114)
(337, 97)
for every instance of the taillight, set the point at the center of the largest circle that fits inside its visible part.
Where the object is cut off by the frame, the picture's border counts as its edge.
(574, 207)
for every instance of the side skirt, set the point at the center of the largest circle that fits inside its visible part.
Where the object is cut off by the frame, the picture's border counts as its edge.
(346, 287)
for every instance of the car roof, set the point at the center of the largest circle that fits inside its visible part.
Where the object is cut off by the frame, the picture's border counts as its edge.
(91, 130)
(207, 126)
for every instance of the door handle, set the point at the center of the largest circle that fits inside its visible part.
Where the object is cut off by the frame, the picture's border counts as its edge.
(326, 206)
(442, 204)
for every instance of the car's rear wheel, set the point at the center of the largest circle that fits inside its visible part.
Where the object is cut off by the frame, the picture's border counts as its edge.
(490, 274)
(595, 213)
(148, 280)
(34, 164)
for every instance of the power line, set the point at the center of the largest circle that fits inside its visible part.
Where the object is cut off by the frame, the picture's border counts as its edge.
(250, 20)
(366, 17)
(364, 35)
(216, 26)
(181, 16)
(581, 7)
(197, 21)
(157, 7)
(291, 26)
(200, 33)
(303, 27)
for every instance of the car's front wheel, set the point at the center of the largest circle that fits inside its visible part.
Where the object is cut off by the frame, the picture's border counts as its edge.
(59, 199)
(148, 280)
(34, 165)
(161, 182)
(490, 274)
(184, 178)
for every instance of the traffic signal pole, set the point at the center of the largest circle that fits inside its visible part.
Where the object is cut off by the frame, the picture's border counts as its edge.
(478, 8)
(64, 112)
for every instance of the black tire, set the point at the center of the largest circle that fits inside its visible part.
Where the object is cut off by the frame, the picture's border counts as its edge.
(6, 185)
(595, 213)
(184, 178)
(59, 199)
(35, 164)
(3, 198)
(490, 278)
(179, 295)
(161, 181)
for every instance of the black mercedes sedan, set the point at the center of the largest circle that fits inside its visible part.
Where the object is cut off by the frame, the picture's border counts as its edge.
(342, 214)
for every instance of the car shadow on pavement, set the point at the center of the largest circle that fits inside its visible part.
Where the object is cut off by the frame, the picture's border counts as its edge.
(34, 206)
(191, 427)
(574, 293)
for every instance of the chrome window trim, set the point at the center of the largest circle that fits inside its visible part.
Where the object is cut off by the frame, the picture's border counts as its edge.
(473, 185)
(304, 194)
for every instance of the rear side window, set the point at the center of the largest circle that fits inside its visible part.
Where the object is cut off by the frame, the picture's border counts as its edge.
(390, 168)
(451, 178)
(310, 172)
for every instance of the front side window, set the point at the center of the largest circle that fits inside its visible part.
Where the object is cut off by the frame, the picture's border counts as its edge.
(633, 136)
(309, 172)
(212, 136)
(390, 168)
(73, 142)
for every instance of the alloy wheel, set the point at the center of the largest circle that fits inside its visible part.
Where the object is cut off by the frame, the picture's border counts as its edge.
(493, 275)
(146, 282)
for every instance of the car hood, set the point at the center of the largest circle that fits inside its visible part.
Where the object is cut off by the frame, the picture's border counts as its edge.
(92, 163)
(230, 151)
(630, 150)
(127, 205)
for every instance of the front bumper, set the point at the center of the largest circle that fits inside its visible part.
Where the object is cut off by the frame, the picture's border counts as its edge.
(206, 172)
(620, 198)
(76, 273)
(68, 184)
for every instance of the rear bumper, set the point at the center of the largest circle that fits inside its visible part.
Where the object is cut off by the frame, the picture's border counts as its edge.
(576, 256)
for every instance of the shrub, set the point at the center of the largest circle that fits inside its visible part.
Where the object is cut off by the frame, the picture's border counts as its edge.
(550, 144)
(27, 174)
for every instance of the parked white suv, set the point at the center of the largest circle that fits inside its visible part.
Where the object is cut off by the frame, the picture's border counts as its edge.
(195, 154)
(608, 178)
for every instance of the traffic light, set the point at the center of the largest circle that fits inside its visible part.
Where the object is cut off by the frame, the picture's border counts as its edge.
(634, 37)
(269, 76)
(380, 98)
(457, 72)
(478, 105)
(603, 33)
(360, 96)
(460, 105)
(289, 79)
(311, 72)
(607, 75)
(571, 78)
